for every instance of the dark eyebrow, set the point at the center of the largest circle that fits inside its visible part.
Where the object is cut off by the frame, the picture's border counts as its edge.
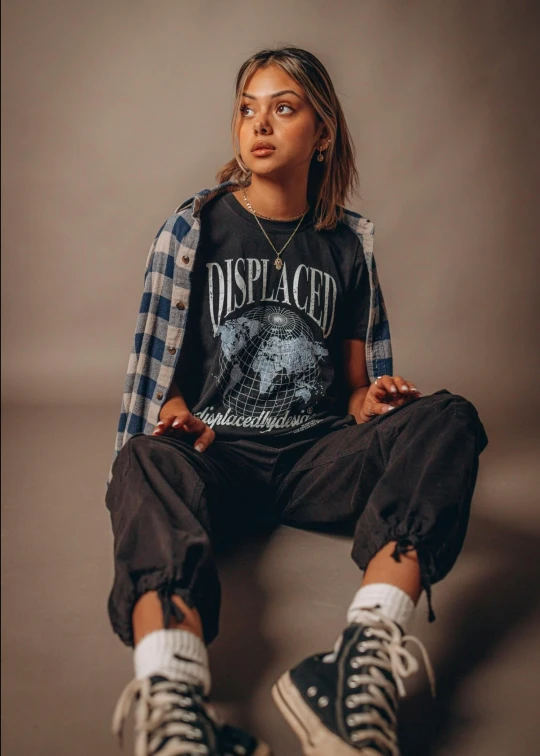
(276, 94)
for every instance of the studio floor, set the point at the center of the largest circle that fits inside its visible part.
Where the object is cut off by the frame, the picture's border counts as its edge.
(284, 597)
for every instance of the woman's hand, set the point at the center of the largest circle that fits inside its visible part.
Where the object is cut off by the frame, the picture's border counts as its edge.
(386, 393)
(174, 414)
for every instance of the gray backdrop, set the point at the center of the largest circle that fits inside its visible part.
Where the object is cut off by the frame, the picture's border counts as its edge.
(113, 113)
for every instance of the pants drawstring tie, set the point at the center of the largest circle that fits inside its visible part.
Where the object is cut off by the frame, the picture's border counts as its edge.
(168, 606)
(403, 545)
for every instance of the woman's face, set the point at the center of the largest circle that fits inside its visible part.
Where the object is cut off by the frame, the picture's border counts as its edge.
(274, 109)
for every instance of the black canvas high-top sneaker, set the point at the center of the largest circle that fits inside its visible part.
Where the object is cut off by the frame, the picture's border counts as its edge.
(344, 703)
(175, 719)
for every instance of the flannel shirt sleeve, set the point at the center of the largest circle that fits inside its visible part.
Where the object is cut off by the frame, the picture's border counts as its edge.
(131, 411)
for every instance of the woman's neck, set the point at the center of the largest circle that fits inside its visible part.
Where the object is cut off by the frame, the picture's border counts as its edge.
(276, 200)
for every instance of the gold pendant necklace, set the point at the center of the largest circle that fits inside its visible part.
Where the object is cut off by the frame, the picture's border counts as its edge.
(278, 262)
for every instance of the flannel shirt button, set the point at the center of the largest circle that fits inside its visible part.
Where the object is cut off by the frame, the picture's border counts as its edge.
(181, 305)
(159, 395)
(171, 350)
(185, 259)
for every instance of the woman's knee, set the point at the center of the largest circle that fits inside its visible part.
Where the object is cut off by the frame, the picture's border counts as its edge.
(132, 455)
(139, 442)
(458, 405)
(140, 445)
(460, 410)
(136, 444)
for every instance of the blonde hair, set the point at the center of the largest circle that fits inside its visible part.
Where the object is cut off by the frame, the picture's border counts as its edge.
(331, 182)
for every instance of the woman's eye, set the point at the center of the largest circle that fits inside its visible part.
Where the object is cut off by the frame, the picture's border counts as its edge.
(245, 108)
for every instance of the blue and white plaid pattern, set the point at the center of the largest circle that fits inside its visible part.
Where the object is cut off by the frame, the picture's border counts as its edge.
(161, 322)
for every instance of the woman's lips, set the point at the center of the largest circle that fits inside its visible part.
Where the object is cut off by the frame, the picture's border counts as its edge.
(262, 152)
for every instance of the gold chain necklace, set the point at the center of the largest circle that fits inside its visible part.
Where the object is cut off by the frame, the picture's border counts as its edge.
(278, 262)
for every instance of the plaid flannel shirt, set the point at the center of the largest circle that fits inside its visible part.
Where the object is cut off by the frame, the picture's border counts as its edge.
(161, 322)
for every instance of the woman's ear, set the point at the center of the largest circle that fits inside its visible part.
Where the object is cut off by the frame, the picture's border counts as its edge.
(324, 134)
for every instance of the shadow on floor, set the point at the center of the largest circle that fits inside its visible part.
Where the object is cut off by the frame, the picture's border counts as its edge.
(485, 616)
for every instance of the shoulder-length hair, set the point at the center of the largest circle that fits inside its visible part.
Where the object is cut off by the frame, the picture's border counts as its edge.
(330, 182)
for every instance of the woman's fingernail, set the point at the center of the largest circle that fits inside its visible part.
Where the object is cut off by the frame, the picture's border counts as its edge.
(404, 388)
(176, 424)
(387, 409)
(199, 447)
(393, 388)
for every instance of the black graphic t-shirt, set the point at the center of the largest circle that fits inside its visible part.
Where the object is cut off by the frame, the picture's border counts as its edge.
(262, 353)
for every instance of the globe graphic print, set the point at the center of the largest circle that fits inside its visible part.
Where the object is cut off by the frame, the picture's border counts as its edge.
(269, 360)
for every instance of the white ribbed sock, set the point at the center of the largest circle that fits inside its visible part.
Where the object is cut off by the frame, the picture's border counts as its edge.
(394, 602)
(176, 654)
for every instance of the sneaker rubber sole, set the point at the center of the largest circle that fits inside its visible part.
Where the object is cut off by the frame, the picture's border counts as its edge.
(316, 739)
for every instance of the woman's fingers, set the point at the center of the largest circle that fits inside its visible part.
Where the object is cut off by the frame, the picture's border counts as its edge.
(396, 386)
(183, 420)
(383, 385)
(401, 384)
(389, 392)
(406, 387)
(381, 409)
(205, 439)
(176, 421)
(162, 426)
(186, 421)
(191, 423)
(371, 410)
(206, 435)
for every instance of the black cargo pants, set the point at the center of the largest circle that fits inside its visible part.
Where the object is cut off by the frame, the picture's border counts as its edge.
(407, 476)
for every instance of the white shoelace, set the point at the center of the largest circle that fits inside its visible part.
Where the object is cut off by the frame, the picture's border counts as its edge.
(394, 658)
(157, 706)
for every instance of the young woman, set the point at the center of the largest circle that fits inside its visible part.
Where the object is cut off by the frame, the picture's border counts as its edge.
(260, 388)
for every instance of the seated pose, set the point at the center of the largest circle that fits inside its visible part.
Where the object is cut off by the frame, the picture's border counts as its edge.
(260, 389)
